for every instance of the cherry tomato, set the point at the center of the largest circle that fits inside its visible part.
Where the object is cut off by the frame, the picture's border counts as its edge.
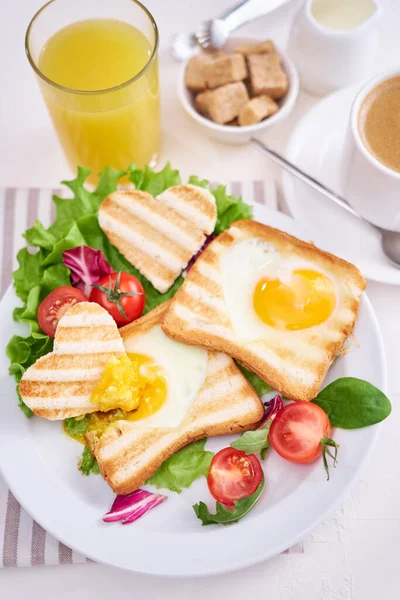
(297, 431)
(55, 305)
(233, 475)
(122, 295)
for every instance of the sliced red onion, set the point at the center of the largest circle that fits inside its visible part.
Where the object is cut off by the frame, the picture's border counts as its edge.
(271, 407)
(131, 507)
(207, 242)
(87, 266)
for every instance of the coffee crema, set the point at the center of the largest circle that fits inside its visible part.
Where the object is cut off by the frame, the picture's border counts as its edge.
(379, 123)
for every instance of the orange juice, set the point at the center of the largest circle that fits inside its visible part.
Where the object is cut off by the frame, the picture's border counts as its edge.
(102, 93)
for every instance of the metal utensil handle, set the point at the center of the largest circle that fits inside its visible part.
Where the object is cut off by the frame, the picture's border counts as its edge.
(314, 183)
(247, 11)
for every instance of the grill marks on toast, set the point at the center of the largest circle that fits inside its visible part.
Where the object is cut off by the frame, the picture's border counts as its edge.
(226, 403)
(294, 363)
(160, 235)
(60, 384)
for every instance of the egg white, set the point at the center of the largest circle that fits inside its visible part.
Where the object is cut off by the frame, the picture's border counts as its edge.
(242, 266)
(185, 368)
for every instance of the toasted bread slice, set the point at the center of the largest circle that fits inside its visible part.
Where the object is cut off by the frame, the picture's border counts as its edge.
(59, 385)
(160, 235)
(128, 453)
(294, 362)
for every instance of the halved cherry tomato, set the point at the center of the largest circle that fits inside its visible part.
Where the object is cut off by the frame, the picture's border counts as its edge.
(233, 475)
(54, 306)
(297, 431)
(122, 295)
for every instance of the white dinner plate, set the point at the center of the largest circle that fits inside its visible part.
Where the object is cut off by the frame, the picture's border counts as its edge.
(39, 464)
(316, 146)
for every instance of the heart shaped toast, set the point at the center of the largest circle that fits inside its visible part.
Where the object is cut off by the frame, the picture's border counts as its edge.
(159, 235)
(60, 384)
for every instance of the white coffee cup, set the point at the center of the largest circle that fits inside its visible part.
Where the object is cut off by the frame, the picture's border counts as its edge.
(371, 187)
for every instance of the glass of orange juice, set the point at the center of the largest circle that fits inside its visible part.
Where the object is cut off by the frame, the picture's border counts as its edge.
(96, 63)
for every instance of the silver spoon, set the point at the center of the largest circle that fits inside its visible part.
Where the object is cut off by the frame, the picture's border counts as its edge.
(213, 34)
(390, 239)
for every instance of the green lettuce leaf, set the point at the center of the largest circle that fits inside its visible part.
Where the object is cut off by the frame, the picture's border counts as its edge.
(23, 352)
(261, 387)
(182, 468)
(229, 209)
(76, 427)
(154, 182)
(88, 464)
(76, 224)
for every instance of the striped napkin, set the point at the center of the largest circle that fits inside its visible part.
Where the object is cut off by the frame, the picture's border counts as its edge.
(23, 542)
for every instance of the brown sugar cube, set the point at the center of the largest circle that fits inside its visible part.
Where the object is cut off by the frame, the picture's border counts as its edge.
(194, 74)
(266, 47)
(218, 54)
(225, 102)
(256, 110)
(201, 102)
(226, 69)
(267, 76)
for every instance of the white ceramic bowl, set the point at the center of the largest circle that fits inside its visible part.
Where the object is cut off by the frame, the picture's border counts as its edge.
(228, 134)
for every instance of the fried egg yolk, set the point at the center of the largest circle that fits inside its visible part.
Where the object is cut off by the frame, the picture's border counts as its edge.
(132, 383)
(309, 299)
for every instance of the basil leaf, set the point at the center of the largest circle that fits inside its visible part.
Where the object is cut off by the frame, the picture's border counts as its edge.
(254, 441)
(351, 403)
(222, 515)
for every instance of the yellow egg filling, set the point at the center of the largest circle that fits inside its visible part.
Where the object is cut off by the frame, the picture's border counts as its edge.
(308, 300)
(132, 384)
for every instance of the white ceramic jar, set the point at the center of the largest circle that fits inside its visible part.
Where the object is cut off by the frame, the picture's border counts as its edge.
(329, 57)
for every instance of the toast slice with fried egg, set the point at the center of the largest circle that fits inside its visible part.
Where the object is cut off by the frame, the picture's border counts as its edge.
(159, 235)
(60, 384)
(280, 306)
(214, 398)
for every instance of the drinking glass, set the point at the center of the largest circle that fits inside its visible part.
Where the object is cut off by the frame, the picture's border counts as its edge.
(114, 126)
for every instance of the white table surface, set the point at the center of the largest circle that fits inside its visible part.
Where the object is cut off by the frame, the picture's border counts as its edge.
(354, 554)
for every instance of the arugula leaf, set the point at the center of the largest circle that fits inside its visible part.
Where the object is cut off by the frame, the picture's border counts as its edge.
(261, 387)
(88, 464)
(76, 427)
(222, 515)
(254, 441)
(351, 403)
(182, 468)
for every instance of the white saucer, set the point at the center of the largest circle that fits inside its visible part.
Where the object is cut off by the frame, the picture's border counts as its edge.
(316, 146)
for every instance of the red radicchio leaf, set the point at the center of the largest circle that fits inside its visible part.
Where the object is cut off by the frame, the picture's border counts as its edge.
(87, 266)
(190, 264)
(271, 408)
(131, 507)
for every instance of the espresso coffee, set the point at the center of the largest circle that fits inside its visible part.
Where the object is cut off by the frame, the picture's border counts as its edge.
(379, 123)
